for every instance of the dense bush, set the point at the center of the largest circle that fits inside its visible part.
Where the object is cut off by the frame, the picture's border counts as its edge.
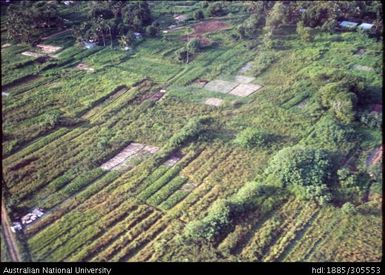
(251, 137)
(330, 134)
(206, 229)
(303, 169)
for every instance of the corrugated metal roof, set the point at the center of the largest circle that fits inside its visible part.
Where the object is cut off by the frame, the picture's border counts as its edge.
(366, 26)
(348, 24)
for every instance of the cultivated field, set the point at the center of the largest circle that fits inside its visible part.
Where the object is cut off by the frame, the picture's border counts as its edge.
(124, 149)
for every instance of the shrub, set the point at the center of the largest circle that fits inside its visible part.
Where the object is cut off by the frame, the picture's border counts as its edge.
(349, 209)
(251, 137)
(304, 32)
(198, 15)
(206, 229)
(216, 9)
(304, 169)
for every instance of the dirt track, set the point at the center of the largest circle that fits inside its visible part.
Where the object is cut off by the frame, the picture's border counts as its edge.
(9, 235)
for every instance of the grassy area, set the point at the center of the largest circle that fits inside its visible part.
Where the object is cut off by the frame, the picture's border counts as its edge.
(60, 126)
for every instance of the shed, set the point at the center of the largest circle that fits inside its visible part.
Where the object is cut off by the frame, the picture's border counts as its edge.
(16, 226)
(366, 26)
(348, 24)
(38, 212)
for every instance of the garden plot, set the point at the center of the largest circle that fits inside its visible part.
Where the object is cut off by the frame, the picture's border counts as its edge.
(212, 101)
(220, 86)
(245, 89)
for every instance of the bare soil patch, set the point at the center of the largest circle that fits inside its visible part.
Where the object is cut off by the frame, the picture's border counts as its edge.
(200, 83)
(303, 103)
(84, 67)
(151, 96)
(173, 159)
(220, 86)
(214, 101)
(202, 28)
(210, 26)
(245, 89)
(128, 157)
(48, 49)
(33, 54)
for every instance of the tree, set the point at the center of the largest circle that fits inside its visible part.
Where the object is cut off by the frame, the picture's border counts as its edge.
(218, 217)
(251, 137)
(26, 20)
(304, 32)
(304, 170)
(216, 9)
(267, 40)
(193, 45)
(127, 40)
(152, 30)
(198, 15)
(349, 209)
(276, 16)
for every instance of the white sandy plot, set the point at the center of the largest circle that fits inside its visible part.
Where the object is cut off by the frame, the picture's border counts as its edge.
(132, 149)
(172, 161)
(220, 86)
(214, 101)
(245, 89)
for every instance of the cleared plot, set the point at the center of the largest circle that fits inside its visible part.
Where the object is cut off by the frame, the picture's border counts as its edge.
(48, 48)
(214, 101)
(245, 89)
(33, 54)
(132, 149)
(84, 67)
(220, 86)
(244, 79)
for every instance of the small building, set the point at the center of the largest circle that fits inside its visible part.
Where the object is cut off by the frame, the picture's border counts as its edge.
(348, 25)
(67, 3)
(29, 218)
(38, 212)
(16, 226)
(138, 35)
(366, 26)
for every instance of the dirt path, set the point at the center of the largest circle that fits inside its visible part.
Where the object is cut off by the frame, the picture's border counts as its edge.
(9, 235)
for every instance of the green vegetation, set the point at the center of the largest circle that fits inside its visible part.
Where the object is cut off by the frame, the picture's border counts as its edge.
(291, 172)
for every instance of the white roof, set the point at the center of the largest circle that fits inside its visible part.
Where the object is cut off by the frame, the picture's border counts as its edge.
(366, 26)
(348, 24)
